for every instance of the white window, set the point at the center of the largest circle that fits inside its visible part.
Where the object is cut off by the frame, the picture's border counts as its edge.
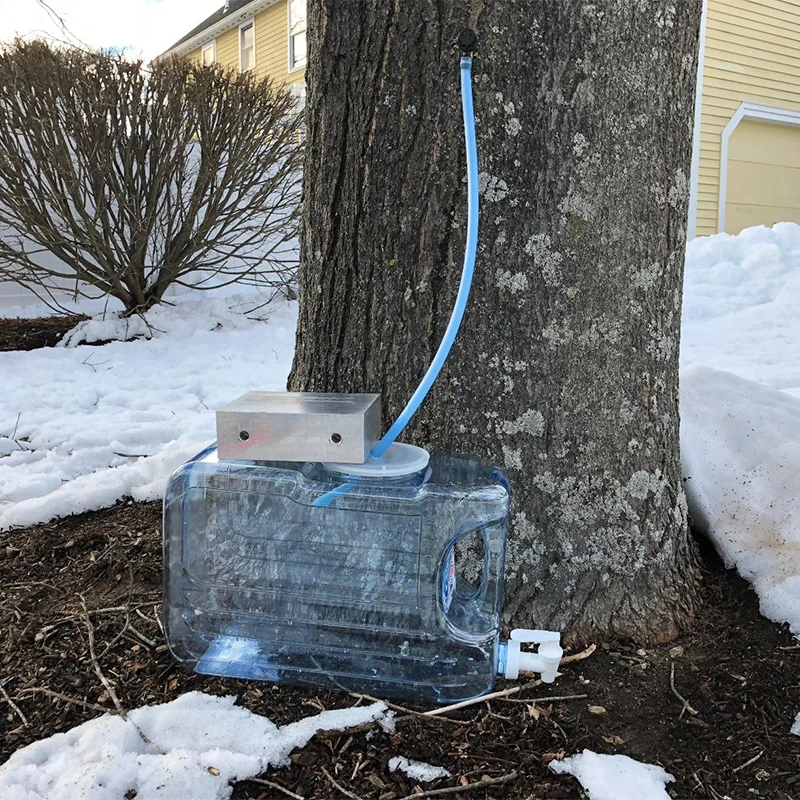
(297, 34)
(210, 53)
(247, 47)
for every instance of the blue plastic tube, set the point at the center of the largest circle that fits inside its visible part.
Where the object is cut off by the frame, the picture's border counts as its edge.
(462, 297)
(466, 275)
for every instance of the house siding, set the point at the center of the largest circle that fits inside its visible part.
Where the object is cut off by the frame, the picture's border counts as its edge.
(752, 54)
(272, 46)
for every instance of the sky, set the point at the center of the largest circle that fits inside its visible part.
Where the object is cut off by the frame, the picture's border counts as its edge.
(144, 27)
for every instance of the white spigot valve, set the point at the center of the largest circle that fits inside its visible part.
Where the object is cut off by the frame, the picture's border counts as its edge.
(545, 661)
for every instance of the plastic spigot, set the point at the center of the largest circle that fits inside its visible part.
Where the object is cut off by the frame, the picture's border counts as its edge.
(545, 661)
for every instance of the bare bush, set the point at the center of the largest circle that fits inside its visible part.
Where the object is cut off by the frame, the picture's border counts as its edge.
(127, 179)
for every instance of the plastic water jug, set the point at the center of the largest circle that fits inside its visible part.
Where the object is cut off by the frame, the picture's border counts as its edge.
(361, 592)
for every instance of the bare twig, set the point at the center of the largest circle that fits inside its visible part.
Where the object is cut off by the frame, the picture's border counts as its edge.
(540, 700)
(67, 699)
(467, 788)
(686, 706)
(14, 706)
(748, 763)
(174, 206)
(93, 613)
(482, 699)
(277, 786)
(408, 711)
(99, 672)
(106, 683)
(345, 792)
(579, 656)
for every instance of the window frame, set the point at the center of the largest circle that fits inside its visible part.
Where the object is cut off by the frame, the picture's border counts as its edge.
(293, 65)
(250, 23)
(212, 45)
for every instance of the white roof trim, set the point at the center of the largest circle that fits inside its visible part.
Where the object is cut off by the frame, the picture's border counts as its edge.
(230, 20)
(769, 114)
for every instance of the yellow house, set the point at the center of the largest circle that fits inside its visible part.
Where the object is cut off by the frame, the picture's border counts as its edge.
(746, 160)
(265, 36)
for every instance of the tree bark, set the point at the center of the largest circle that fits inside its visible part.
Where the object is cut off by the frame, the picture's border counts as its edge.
(566, 368)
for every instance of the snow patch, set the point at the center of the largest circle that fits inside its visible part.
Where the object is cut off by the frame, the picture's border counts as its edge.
(82, 427)
(740, 452)
(615, 777)
(200, 744)
(417, 770)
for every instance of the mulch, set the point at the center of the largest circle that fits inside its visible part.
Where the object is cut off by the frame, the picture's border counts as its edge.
(739, 672)
(30, 334)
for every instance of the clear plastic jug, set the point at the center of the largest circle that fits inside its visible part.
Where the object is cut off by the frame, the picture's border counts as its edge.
(361, 594)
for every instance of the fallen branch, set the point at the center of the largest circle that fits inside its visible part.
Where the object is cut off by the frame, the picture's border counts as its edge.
(67, 699)
(579, 656)
(341, 788)
(409, 711)
(467, 788)
(493, 696)
(686, 706)
(748, 763)
(558, 698)
(14, 706)
(272, 785)
(107, 684)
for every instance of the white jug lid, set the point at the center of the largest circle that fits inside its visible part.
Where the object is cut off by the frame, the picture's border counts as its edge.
(398, 460)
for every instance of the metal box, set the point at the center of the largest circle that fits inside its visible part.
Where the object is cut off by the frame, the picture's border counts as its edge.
(299, 426)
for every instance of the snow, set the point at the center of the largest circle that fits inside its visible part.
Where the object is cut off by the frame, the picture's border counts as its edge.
(740, 442)
(796, 727)
(82, 427)
(200, 744)
(740, 305)
(417, 770)
(615, 777)
(740, 406)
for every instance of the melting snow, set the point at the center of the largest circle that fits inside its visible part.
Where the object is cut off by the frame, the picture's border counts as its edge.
(82, 427)
(200, 745)
(418, 770)
(615, 777)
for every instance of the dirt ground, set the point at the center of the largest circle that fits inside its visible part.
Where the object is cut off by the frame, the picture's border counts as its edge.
(739, 672)
(28, 334)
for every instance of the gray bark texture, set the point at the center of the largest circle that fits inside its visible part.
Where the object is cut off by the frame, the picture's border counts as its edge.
(566, 368)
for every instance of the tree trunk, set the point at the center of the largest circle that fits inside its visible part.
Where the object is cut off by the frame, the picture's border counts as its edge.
(566, 368)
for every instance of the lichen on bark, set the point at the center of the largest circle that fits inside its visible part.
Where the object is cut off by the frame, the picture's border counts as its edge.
(566, 369)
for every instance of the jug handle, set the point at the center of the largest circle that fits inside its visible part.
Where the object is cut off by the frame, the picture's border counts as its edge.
(446, 586)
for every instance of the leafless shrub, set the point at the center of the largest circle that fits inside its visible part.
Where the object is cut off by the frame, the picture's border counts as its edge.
(127, 179)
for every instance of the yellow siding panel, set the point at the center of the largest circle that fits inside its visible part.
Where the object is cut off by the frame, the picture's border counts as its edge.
(228, 49)
(738, 217)
(763, 175)
(272, 46)
(761, 143)
(752, 55)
